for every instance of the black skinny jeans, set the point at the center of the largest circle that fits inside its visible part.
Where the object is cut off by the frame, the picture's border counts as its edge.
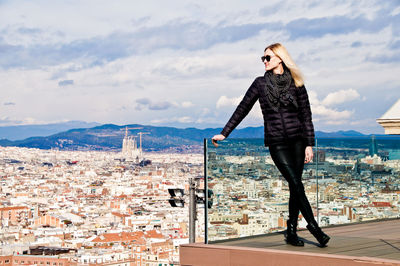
(289, 159)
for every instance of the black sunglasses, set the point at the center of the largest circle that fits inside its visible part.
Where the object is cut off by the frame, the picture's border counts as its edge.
(268, 58)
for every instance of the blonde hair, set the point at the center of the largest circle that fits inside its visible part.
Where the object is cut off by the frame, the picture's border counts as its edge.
(280, 51)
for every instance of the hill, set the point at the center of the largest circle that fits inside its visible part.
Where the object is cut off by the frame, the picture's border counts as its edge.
(110, 136)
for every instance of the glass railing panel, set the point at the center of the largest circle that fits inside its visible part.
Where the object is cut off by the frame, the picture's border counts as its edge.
(250, 195)
(344, 184)
(358, 179)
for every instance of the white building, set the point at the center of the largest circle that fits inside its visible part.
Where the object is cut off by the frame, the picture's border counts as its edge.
(390, 121)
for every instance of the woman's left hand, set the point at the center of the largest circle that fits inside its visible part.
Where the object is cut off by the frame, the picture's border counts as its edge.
(309, 154)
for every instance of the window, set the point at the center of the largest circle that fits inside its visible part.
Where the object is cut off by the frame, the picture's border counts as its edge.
(48, 262)
(7, 261)
(54, 263)
(42, 262)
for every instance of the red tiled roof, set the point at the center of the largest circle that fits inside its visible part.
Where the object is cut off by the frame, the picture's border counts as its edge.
(154, 234)
(120, 214)
(136, 237)
(381, 204)
(13, 208)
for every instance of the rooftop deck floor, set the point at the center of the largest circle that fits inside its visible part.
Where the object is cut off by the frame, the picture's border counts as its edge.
(378, 239)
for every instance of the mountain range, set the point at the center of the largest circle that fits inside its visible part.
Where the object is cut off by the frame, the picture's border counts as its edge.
(26, 131)
(110, 136)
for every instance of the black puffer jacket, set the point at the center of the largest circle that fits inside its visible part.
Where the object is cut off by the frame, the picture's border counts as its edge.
(289, 122)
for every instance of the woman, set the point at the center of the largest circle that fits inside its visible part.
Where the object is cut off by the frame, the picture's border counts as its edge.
(288, 131)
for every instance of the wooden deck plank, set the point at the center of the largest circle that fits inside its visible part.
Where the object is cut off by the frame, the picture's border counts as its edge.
(371, 251)
(379, 239)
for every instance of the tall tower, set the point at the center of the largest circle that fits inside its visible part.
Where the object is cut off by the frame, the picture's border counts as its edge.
(373, 147)
(129, 145)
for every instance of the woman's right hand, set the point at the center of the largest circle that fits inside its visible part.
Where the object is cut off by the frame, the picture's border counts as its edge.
(217, 138)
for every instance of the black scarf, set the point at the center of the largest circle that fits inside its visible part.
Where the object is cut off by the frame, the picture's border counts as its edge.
(277, 89)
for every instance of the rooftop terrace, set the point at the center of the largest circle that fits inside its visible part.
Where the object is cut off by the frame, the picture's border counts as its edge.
(366, 243)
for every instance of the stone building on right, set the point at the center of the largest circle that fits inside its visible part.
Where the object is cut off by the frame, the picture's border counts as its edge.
(390, 121)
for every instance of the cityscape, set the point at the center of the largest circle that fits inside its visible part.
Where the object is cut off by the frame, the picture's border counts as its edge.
(108, 108)
(92, 207)
(111, 208)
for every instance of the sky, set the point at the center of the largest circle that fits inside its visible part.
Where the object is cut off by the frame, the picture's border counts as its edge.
(189, 63)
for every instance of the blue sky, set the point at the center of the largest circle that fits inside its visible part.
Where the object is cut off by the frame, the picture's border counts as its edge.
(188, 63)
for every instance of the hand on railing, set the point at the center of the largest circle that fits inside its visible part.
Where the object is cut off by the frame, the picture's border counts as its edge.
(309, 154)
(217, 138)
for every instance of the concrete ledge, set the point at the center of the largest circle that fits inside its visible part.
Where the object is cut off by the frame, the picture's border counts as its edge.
(391, 126)
(209, 255)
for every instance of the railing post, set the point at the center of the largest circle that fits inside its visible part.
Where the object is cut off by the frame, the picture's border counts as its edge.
(192, 210)
(206, 194)
(316, 173)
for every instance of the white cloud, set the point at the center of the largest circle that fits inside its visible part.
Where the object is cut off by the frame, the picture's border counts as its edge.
(395, 11)
(205, 111)
(205, 120)
(331, 114)
(313, 98)
(179, 119)
(157, 121)
(187, 104)
(323, 112)
(225, 101)
(185, 119)
(340, 96)
(11, 121)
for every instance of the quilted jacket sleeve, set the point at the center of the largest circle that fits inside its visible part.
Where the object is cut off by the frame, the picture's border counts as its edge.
(305, 116)
(242, 110)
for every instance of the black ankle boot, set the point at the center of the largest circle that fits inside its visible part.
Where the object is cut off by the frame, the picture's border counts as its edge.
(316, 231)
(291, 235)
